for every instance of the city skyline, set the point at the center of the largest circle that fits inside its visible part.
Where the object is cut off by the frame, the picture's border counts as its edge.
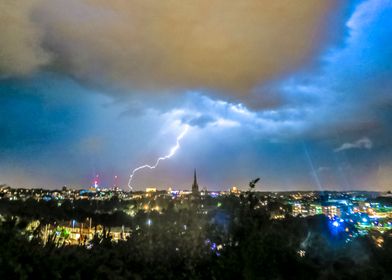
(299, 95)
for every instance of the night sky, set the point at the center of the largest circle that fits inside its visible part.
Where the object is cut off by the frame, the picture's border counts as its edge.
(296, 92)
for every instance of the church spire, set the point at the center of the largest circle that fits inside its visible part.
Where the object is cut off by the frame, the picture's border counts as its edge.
(195, 186)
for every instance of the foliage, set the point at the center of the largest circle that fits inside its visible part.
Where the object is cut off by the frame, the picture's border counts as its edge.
(237, 240)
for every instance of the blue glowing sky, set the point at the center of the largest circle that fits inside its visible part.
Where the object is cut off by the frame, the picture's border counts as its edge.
(298, 93)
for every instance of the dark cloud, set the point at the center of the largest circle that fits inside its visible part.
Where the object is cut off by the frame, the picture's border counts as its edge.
(20, 44)
(153, 46)
(199, 121)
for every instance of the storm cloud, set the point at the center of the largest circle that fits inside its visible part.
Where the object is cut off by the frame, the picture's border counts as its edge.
(20, 46)
(225, 46)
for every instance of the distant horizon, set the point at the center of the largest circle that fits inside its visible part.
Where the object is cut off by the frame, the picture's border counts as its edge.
(257, 189)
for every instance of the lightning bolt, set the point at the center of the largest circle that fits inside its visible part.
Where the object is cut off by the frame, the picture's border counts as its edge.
(172, 152)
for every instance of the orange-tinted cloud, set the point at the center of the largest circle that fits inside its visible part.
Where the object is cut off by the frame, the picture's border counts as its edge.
(152, 45)
(20, 39)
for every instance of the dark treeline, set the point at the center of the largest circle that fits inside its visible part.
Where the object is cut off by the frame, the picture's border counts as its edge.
(109, 212)
(236, 240)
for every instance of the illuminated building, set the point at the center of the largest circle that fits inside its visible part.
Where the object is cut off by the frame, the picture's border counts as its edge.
(315, 209)
(297, 209)
(235, 190)
(331, 211)
(151, 190)
(78, 233)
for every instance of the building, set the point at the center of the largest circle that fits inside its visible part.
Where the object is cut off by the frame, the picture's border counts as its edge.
(297, 209)
(195, 186)
(331, 211)
(151, 190)
(315, 209)
(234, 190)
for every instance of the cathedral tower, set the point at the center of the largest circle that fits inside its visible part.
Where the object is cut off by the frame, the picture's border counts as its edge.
(195, 186)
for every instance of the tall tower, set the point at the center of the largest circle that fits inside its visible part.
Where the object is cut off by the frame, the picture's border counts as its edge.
(195, 186)
(96, 182)
(115, 184)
